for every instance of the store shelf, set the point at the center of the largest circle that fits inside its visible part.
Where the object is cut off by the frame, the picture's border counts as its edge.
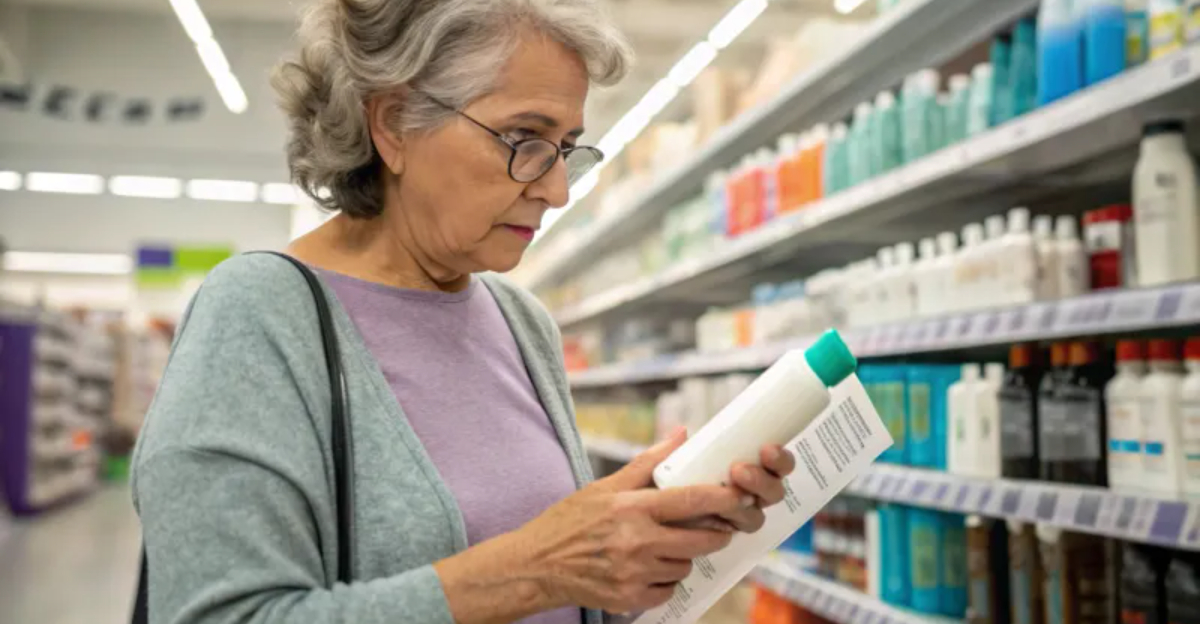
(1136, 517)
(614, 450)
(917, 34)
(1095, 314)
(1076, 131)
(834, 602)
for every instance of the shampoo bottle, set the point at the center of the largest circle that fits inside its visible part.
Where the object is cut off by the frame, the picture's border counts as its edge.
(961, 445)
(942, 299)
(1104, 37)
(1189, 393)
(1124, 416)
(773, 410)
(987, 410)
(1060, 50)
(1161, 390)
(890, 139)
(1019, 260)
(1072, 261)
(1166, 207)
(960, 106)
(1047, 258)
(894, 533)
(925, 559)
(983, 92)
(1166, 27)
(954, 575)
(1019, 414)
(1137, 32)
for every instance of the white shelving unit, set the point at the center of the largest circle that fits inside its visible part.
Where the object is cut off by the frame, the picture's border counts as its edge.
(920, 33)
(1132, 516)
(787, 577)
(1073, 132)
(1100, 313)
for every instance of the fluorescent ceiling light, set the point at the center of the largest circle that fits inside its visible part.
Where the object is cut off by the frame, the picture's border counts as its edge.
(92, 264)
(694, 62)
(73, 183)
(231, 93)
(10, 181)
(736, 21)
(278, 193)
(212, 57)
(192, 19)
(144, 186)
(847, 6)
(222, 190)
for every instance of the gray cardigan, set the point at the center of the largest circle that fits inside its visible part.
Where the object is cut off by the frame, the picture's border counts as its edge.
(232, 475)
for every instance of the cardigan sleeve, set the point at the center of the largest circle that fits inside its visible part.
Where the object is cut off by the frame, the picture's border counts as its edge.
(232, 478)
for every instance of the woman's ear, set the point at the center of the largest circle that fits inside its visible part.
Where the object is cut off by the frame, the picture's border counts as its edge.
(381, 114)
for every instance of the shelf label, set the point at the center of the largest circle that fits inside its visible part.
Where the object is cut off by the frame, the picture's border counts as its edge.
(1189, 305)
(1191, 538)
(984, 505)
(984, 327)
(1084, 313)
(1169, 303)
(962, 328)
(1124, 514)
(1012, 322)
(1168, 522)
(1135, 308)
(942, 333)
(939, 494)
(1010, 502)
(918, 489)
(1066, 511)
(1143, 518)
(1181, 67)
(1046, 504)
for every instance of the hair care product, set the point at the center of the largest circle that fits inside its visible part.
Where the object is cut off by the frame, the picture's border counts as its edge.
(1047, 258)
(925, 559)
(982, 101)
(1026, 578)
(1166, 27)
(1104, 38)
(1190, 416)
(1072, 261)
(1166, 207)
(1107, 240)
(954, 576)
(1162, 430)
(1019, 414)
(894, 531)
(1137, 32)
(1052, 414)
(1060, 50)
(1083, 432)
(1024, 75)
(987, 570)
(1124, 396)
(964, 421)
(774, 409)
(987, 409)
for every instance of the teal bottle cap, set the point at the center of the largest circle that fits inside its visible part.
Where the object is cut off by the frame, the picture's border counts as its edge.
(831, 359)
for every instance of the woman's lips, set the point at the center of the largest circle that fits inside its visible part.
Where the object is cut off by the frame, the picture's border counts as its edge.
(524, 232)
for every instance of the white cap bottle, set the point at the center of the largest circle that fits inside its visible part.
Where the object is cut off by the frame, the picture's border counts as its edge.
(942, 278)
(987, 442)
(961, 408)
(774, 409)
(1018, 263)
(1047, 257)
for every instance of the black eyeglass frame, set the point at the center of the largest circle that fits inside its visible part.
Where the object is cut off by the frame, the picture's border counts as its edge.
(514, 146)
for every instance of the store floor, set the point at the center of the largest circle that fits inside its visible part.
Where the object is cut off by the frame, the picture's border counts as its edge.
(79, 564)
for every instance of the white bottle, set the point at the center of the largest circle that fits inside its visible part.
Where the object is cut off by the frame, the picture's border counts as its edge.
(1190, 418)
(923, 273)
(942, 299)
(1072, 266)
(1165, 207)
(1191, 21)
(774, 409)
(861, 309)
(968, 270)
(881, 290)
(987, 461)
(900, 284)
(1124, 398)
(1018, 260)
(993, 264)
(961, 407)
(1047, 258)
(1162, 455)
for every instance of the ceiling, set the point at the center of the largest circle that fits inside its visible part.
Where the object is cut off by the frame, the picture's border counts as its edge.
(661, 31)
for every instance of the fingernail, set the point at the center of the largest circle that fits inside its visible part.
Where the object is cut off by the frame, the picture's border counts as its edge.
(747, 501)
(744, 472)
(773, 454)
(679, 431)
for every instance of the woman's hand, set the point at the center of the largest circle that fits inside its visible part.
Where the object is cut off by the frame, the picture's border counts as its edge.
(618, 545)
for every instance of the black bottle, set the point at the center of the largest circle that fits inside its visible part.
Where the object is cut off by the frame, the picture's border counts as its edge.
(1084, 431)
(1051, 413)
(1019, 415)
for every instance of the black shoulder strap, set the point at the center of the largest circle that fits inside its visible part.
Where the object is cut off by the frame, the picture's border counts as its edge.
(343, 448)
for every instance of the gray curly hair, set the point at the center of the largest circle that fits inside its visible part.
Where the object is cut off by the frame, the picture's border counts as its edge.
(452, 50)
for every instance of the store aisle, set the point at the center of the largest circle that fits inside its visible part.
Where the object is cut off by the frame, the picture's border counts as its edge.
(78, 564)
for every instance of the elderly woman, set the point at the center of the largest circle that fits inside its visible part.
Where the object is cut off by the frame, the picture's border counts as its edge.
(441, 131)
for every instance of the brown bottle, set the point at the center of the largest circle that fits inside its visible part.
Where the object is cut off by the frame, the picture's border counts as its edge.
(1019, 415)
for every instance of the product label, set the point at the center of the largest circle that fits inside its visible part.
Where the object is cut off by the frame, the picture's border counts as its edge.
(924, 556)
(1054, 598)
(954, 557)
(1156, 442)
(1022, 599)
(1016, 425)
(1051, 437)
(1191, 442)
(890, 402)
(1192, 22)
(918, 409)
(1124, 424)
(1166, 28)
(1080, 425)
(830, 453)
(1137, 31)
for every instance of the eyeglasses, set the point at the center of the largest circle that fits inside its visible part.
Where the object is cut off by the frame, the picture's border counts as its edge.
(533, 158)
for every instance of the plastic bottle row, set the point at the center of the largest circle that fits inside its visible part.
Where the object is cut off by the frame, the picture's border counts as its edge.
(995, 572)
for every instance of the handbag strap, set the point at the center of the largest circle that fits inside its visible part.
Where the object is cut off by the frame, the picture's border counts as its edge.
(343, 447)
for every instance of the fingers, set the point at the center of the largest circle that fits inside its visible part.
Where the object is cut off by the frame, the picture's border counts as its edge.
(687, 544)
(639, 473)
(684, 503)
(747, 520)
(777, 460)
(669, 571)
(766, 487)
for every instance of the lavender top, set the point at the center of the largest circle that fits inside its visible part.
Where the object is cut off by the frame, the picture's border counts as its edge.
(455, 368)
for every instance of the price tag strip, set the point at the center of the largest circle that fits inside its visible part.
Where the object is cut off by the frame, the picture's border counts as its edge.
(837, 603)
(1077, 508)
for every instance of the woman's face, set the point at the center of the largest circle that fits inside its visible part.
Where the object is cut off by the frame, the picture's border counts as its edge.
(453, 196)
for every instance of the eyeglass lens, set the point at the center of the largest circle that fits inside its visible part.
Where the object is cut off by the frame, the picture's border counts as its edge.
(535, 157)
